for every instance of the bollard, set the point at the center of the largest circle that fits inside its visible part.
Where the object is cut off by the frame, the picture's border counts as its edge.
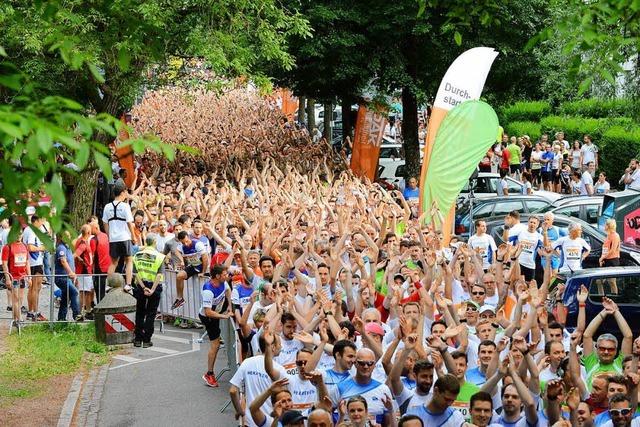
(115, 317)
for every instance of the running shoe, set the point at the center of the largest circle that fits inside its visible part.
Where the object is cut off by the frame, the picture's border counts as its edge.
(40, 318)
(31, 316)
(137, 343)
(210, 380)
(147, 344)
(9, 308)
(177, 303)
(80, 317)
(23, 310)
(184, 324)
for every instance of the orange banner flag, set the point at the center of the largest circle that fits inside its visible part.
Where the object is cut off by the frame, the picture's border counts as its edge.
(288, 103)
(366, 142)
(125, 154)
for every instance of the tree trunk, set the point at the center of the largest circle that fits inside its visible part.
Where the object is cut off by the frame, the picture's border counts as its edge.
(346, 118)
(328, 118)
(302, 104)
(311, 114)
(410, 132)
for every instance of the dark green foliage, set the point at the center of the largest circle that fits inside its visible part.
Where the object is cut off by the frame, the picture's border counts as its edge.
(525, 111)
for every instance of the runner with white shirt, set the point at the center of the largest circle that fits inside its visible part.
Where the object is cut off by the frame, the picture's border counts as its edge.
(483, 243)
(512, 226)
(423, 370)
(573, 249)
(530, 241)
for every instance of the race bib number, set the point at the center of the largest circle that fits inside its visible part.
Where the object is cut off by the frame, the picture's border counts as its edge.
(291, 369)
(463, 408)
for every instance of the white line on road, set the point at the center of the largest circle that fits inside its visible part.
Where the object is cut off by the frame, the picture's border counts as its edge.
(163, 350)
(153, 358)
(127, 359)
(168, 338)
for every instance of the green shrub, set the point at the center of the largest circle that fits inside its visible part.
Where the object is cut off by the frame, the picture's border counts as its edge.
(524, 128)
(576, 127)
(524, 111)
(597, 108)
(617, 147)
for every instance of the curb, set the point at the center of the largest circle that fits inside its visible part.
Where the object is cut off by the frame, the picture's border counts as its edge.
(83, 401)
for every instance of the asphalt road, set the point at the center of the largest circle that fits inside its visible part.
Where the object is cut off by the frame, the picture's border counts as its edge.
(163, 387)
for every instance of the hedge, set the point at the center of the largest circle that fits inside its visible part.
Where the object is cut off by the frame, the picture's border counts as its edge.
(617, 147)
(576, 127)
(532, 129)
(597, 108)
(524, 111)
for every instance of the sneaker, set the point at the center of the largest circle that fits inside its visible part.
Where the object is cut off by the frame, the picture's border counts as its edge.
(9, 308)
(137, 343)
(40, 318)
(210, 380)
(80, 317)
(56, 302)
(184, 324)
(31, 316)
(23, 310)
(147, 344)
(177, 303)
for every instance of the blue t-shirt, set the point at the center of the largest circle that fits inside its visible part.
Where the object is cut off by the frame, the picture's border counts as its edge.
(409, 193)
(475, 376)
(546, 167)
(553, 234)
(63, 252)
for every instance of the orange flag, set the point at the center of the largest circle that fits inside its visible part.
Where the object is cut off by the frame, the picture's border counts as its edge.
(366, 142)
(125, 154)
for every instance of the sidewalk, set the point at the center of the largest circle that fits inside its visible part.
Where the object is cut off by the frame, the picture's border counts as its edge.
(162, 385)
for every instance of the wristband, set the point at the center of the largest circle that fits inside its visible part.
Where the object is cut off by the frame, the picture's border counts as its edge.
(500, 260)
(582, 305)
(328, 313)
(513, 259)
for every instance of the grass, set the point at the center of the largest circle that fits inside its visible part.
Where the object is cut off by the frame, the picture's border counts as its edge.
(41, 353)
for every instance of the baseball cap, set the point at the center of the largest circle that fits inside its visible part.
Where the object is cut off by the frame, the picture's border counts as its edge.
(292, 417)
(487, 307)
(473, 303)
(374, 328)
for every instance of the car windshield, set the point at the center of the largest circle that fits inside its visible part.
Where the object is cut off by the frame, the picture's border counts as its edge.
(543, 209)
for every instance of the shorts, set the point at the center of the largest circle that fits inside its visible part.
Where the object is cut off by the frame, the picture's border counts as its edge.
(212, 326)
(528, 273)
(193, 270)
(37, 269)
(21, 283)
(85, 283)
(546, 176)
(613, 262)
(514, 168)
(120, 249)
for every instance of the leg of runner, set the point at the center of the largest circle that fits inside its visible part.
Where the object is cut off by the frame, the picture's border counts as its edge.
(180, 278)
(128, 270)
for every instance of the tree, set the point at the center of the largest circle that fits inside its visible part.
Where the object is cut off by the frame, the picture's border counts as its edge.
(99, 52)
(43, 141)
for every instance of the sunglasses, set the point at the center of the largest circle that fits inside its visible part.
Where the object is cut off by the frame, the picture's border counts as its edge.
(607, 349)
(365, 363)
(477, 293)
(624, 412)
(471, 308)
(301, 362)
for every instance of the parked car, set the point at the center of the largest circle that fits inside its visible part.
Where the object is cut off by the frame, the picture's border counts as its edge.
(629, 254)
(586, 208)
(497, 206)
(392, 174)
(621, 284)
(486, 186)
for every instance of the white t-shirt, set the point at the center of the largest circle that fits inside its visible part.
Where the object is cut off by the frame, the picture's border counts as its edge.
(516, 229)
(253, 378)
(303, 394)
(571, 251)
(487, 247)
(585, 180)
(118, 228)
(588, 153)
(29, 237)
(601, 187)
(287, 356)
(635, 184)
(530, 243)
(161, 241)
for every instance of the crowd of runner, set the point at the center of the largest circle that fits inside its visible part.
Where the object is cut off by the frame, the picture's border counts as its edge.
(349, 311)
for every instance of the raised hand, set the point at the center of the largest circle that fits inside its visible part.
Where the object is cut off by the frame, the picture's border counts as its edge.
(583, 294)
(609, 306)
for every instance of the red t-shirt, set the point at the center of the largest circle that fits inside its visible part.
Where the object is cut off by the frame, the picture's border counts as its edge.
(505, 159)
(100, 250)
(84, 258)
(18, 259)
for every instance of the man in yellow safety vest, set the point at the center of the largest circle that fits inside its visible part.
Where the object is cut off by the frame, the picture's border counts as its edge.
(148, 266)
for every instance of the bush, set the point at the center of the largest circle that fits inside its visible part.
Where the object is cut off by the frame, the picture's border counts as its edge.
(524, 111)
(597, 108)
(618, 146)
(524, 128)
(576, 127)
